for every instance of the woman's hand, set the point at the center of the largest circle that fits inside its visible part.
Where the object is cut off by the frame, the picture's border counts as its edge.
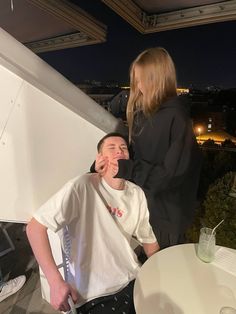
(114, 167)
(101, 164)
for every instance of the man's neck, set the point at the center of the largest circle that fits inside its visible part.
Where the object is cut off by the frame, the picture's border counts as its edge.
(115, 183)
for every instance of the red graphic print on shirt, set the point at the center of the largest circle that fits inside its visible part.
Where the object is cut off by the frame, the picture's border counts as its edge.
(115, 211)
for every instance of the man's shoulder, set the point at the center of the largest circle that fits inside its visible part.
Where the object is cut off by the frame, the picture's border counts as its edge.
(132, 186)
(82, 180)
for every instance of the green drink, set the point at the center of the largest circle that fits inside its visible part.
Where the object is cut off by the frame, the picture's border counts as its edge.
(206, 245)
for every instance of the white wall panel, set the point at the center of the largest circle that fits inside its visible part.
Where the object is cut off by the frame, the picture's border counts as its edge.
(8, 82)
(48, 130)
(42, 146)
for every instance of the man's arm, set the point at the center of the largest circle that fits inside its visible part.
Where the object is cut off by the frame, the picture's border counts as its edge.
(59, 289)
(151, 248)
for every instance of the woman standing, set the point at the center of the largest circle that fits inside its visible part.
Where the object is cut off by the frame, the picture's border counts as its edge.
(166, 159)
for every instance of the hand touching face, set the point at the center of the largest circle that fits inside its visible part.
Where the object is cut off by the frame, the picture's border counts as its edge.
(113, 149)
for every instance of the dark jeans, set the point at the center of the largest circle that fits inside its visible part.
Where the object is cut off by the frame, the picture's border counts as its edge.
(119, 303)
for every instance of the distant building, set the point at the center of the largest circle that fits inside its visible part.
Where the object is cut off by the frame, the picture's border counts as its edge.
(209, 121)
(218, 137)
(213, 110)
(182, 91)
(102, 94)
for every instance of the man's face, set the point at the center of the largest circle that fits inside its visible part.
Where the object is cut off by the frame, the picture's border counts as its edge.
(114, 148)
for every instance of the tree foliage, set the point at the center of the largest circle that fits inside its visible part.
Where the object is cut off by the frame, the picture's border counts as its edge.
(218, 205)
(216, 163)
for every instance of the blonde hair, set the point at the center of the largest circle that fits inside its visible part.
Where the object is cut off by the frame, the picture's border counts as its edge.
(159, 79)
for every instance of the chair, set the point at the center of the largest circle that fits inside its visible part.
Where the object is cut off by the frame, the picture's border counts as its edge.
(3, 231)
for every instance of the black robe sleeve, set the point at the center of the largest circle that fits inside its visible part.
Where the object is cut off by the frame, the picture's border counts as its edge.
(181, 155)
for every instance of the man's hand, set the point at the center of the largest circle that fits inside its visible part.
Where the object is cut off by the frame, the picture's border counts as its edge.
(59, 289)
(101, 164)
(59, 293)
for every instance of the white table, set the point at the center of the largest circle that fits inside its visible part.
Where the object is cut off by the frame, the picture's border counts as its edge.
(175, 281)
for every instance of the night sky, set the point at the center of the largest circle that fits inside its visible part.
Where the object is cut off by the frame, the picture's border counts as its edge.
(204, 55)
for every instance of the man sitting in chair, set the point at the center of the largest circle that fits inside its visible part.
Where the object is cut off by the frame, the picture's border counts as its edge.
(96, 218)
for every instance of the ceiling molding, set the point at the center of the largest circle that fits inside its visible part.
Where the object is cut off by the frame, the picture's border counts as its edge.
(129, 11)
(87, 29)
(151, 23)
(61, 42)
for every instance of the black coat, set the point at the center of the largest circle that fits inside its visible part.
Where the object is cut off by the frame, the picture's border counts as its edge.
(166, 164)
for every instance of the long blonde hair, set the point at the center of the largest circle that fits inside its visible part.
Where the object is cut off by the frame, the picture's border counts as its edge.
(159, 78)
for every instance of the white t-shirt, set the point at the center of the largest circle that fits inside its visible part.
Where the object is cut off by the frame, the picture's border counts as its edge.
(95, 223)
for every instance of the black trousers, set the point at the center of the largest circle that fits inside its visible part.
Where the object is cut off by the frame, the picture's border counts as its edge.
(119, 303)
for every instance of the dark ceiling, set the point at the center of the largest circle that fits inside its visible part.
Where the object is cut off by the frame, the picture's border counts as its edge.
(46, 25)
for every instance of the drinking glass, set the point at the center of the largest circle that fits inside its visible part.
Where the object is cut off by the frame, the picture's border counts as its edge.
(227, 310)
(206, 245)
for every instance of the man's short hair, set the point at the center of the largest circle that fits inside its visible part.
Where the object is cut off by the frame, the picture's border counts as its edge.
(112, 134)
